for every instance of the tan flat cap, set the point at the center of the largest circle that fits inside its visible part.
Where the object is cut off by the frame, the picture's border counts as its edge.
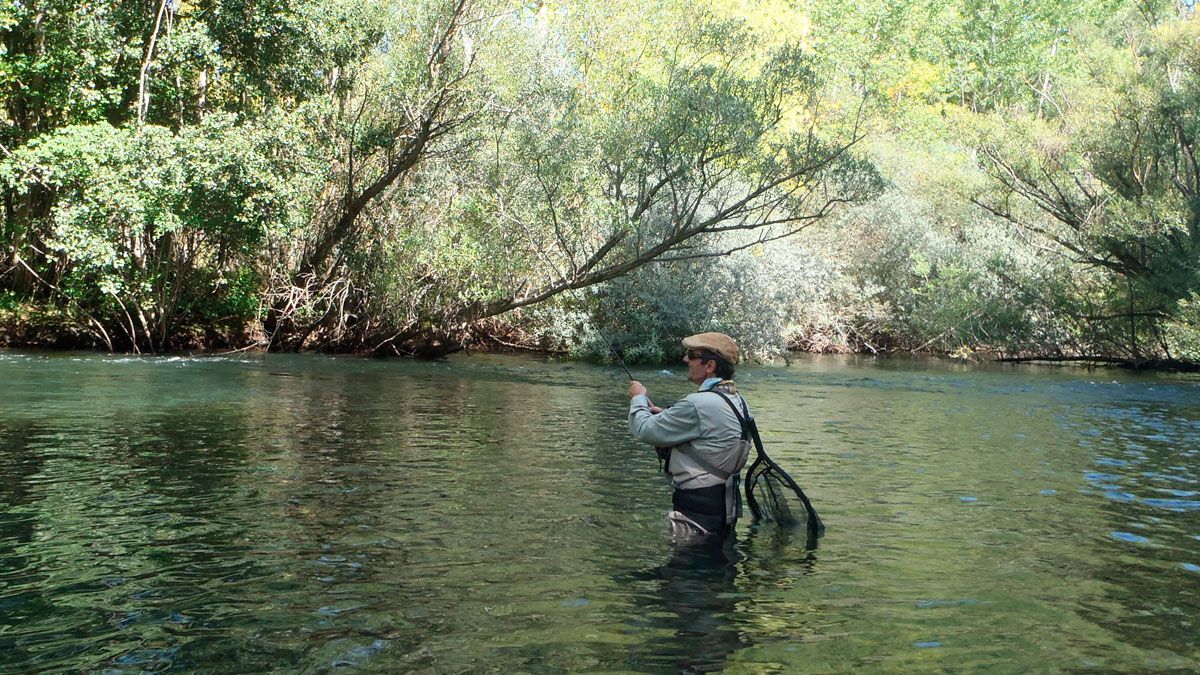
(718, 343)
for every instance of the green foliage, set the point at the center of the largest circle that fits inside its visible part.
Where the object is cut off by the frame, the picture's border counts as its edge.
(609, 168)
(1014, 175)
(1119, 194)
(761, 294)
(1182, 333)
(9, 301)
(152, 225)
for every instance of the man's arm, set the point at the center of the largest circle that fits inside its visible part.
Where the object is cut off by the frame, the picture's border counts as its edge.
(672, 426)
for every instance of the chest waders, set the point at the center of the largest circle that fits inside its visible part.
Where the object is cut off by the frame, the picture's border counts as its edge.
(715, 508)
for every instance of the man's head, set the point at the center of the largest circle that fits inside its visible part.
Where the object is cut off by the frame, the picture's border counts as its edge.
(710, 355)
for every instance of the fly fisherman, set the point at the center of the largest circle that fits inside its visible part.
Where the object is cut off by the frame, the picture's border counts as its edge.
(700, 440)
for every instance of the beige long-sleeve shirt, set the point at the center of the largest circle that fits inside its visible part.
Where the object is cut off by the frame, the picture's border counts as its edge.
(700, 425)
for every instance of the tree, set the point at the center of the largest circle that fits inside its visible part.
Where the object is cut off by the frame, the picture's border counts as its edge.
(606, 171)
(400, 109)
(146, 153)
(1115, 188)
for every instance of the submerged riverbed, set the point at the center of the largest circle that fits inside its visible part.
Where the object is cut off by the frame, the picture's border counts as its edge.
(491, 513)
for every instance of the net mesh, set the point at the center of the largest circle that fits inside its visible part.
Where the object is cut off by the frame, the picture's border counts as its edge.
(775, 497)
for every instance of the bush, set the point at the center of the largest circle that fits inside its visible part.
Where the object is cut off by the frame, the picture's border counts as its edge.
(153, 229)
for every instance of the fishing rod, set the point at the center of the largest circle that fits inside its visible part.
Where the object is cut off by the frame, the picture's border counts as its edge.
(612, 347)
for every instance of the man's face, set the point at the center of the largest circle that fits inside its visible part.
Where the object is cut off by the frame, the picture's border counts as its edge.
(699, 370)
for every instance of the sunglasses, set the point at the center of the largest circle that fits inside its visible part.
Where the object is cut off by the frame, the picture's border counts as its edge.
(693, 355)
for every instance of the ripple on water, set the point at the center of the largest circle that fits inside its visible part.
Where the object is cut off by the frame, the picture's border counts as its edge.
(360, 655)
(332, 610)
(153, 657)
(1169, 477)
(1129, 537)
(959, 602)
(1173, 504)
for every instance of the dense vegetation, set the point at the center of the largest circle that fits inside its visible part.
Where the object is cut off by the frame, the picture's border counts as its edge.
(409, 176)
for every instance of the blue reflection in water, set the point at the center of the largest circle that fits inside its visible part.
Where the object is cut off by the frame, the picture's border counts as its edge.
(360, 655)
(1174, 504)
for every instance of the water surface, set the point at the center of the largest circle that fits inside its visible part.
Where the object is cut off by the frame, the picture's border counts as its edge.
(257, 513)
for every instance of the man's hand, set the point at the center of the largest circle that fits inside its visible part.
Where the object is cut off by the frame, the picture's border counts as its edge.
(636, 388)
(654, 410)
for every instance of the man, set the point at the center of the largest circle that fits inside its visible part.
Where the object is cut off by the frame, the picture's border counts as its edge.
(703, 438)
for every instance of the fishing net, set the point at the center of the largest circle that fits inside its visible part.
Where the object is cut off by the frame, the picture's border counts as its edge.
(774, 496)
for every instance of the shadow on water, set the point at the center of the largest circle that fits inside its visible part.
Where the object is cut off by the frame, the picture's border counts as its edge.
(120, 528)
(16, 525)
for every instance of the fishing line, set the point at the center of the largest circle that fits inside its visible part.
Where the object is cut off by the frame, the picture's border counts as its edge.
(612, 347)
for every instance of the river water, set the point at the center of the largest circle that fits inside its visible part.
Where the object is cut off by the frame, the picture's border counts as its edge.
(491, 513)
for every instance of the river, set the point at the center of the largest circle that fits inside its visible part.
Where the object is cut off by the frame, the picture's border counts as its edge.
(491, 513)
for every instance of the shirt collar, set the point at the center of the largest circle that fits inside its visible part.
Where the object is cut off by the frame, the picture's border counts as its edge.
(710, 383)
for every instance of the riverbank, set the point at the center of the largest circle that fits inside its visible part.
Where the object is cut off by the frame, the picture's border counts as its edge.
(23, 328)
(53, 331)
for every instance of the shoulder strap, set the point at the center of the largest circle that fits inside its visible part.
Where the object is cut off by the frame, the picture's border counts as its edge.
(749, 427)
(741, 418)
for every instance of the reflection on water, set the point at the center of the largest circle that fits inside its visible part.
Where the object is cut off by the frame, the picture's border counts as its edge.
(688, 604)
(491, 513)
